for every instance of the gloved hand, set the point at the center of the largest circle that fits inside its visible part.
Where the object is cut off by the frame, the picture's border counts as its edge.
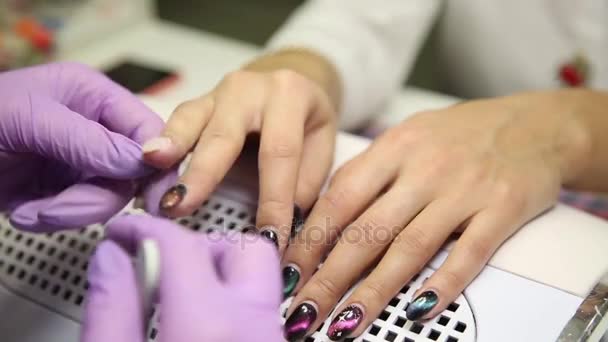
(212, 287)
(70, 147)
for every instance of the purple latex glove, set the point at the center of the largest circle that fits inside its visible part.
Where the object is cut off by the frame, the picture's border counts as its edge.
(212, 287)
(70, 147)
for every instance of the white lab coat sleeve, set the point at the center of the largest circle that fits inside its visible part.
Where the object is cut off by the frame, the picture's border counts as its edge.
(372, 43)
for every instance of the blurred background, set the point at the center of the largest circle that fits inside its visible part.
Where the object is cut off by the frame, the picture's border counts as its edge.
(32, 31)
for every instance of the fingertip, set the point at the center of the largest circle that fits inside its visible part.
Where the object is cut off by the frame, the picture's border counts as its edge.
(25, 217)
(252, 266)
(157, 144)
(127, 230)
(108, 261)
(181, 200)
(120, 159)
(113, 307)
(23, 220)
(162, 153)
(155, 189)
(82, 204)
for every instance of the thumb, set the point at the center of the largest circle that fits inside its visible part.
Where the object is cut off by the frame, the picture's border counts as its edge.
(113, 309)
(92, 201)
(56, 132)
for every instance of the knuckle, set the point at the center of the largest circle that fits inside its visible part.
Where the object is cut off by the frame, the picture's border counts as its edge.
(291, 82)
(220, 135)
(415, 242)
(182, 111)
(510, 196)
(439, 164)
(372, 221)
(479, 250)
(479, 173)
(344, 174)
(452, 279)
(279, 149)
(327, 287)
(274, 205)
(375, 292)
(338, 198)
(235, 78)
(410, 132)
(375, 226)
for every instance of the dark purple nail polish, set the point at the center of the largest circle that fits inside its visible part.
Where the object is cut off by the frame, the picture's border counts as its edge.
(271, 235)
(300, 321)
(297, 222)
(345, 322)
(173, 197)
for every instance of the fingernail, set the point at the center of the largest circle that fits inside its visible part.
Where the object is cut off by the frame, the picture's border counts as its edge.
(156, 144)
(270, 235)
(249, 230)
(297, 221)
(422, 305)
(291, 276)
(173, 197)
(300, 321)
(345, 322)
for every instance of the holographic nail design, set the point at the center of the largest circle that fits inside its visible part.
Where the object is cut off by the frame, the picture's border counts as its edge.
(291, 277)
(300, 321)
(173, 197)
(345, 322)
(297, 221)
(270, 235)
(422, 305)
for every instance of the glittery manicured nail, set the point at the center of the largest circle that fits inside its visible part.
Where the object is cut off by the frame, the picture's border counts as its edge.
(173, 197)
(422, 305)
(300, 321)
(291, 276)
(297, 222)
(270, 235)
(345, 322)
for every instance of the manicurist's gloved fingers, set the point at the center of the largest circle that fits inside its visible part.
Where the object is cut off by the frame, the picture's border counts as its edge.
(99, 99)
(249, 265)
(85, 145)
(81, 204)
(113, 309)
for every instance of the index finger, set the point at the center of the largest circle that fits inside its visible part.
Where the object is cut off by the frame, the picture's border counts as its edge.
(279, 162)
(98, 98)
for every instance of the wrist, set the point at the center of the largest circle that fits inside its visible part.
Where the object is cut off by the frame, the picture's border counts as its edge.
(574, 137)
(551, 125)
(307, 63)
(590, 119)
